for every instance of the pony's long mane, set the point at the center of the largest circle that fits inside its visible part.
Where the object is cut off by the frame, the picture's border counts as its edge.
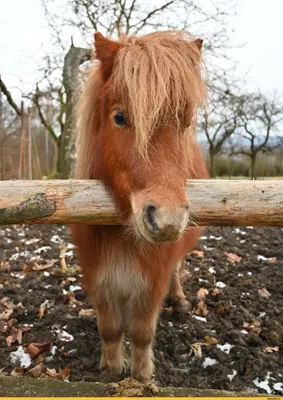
(154, 76)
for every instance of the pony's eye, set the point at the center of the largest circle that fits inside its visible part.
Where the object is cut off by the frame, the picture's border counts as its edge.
(119, 119)
(189, 124)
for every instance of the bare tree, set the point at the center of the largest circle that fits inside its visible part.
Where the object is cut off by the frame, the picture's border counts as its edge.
(218, 121)
(259, 117)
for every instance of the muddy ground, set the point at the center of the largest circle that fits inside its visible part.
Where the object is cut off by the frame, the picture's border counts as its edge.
(232, 340)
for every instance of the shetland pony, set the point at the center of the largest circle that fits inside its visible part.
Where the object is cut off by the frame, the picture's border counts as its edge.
(136, 119)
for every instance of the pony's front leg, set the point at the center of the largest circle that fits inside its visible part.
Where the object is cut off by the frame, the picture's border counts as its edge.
(111, 330)
(142, 327)
(176, 293)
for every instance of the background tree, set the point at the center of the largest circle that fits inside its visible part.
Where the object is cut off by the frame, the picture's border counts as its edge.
(260, 117)
(218, 121)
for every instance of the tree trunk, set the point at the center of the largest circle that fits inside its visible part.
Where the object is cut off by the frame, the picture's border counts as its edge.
(67, 152)
(253, 167)
(212, 163)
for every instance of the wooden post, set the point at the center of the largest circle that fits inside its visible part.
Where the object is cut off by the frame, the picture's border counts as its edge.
(212, 202)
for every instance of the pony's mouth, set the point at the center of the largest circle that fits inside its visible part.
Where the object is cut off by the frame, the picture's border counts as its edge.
(160, 237)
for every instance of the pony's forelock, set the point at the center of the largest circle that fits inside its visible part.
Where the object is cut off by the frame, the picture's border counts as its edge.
(157, 76)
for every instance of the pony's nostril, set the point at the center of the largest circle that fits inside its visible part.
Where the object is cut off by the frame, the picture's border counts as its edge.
(149, 217)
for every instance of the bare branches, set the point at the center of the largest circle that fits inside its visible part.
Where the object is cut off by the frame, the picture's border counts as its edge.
(9, 97)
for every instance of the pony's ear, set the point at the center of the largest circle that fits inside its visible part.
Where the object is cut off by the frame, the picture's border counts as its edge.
(105, 50)
(198, 43)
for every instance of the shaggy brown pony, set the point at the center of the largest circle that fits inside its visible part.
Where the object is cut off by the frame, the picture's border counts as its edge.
(137, 134)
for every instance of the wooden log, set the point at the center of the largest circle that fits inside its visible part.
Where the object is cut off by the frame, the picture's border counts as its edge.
(213, 202)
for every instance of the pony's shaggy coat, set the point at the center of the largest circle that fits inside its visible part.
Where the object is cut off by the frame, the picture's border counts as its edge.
(156, 81)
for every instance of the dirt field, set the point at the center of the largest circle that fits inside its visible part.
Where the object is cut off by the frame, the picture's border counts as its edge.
(232, 340)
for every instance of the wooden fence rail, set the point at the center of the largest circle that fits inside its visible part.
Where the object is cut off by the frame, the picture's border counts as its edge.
(213, 202)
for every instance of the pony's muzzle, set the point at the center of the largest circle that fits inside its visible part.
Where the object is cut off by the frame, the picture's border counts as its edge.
(165, 224)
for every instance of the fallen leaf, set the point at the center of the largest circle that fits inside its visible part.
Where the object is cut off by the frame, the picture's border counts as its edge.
(36, 371)
(216, 292)
(9, 340)
(51, 372)
(17, 372)
(5, 315)
(41, 312)
(253, 327)
(201, 293)
(211, 340)
(62, 256)
(270, 349)
(198, 253)
(32, 350)
(38, 267)
(201, 309)
(89, 312)
(3, 373)
(264, 293)
(64, 374)
(233, 258)
(196, 349)
(154, 389)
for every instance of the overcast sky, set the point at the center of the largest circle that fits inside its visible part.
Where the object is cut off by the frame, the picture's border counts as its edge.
(25, 37)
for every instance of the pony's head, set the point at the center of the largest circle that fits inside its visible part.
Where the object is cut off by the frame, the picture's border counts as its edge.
(136, 119)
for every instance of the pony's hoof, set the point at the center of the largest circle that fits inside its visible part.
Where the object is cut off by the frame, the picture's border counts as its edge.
(182, 306)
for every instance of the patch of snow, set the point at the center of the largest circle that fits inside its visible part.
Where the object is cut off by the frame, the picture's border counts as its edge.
(43, 248)
(232, 376)
(70, 246)
(15, 256)
(31, 241)
(53, 350)
(73, 288)
(196, 269)
(64, 292)
(203, 319)
(250, 273)
(19, 356)
(44, 304)
(69, 253)
(170, 324)
(8, 240)
(225, 347)
(220, 285)
(202, 280)
(262, 258)
(239, 231)
(64, 336)
(244, 332)
(211, 237)
(203, 238)
(47, 286)
(212, 270)
(278, 386)
(262, 314)
(240, 274)
(46, 273)
(263, 384)
(209, 362)
(55, 239)
(242, 241)
(249, 227)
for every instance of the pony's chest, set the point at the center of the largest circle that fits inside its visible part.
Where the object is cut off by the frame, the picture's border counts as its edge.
(121, 279)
